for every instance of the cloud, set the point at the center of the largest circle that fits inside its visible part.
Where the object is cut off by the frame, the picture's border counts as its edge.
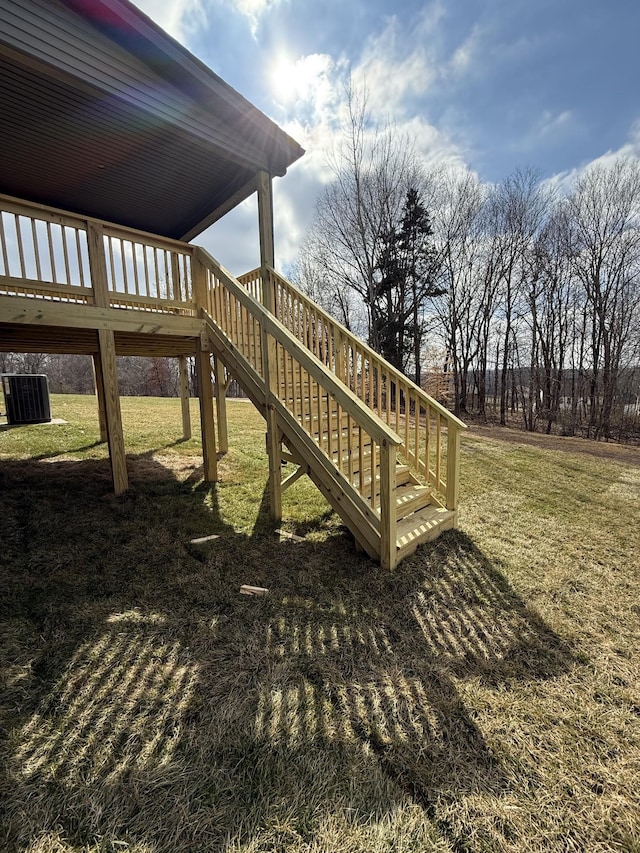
(469, 54)
(551, 123)
(563, 182)
(307, 90)
(179, 18)
(252, 10)
(394, 76)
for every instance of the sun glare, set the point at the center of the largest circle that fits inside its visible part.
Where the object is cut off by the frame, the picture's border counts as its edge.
(298, 79)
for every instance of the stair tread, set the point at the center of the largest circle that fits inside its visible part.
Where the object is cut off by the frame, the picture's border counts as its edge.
(423, 525)
(411, 498)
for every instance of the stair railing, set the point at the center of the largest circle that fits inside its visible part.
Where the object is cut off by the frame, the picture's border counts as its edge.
(347, 439)
(430, 433)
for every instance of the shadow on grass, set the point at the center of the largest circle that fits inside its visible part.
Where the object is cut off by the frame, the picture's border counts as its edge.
(144, 701)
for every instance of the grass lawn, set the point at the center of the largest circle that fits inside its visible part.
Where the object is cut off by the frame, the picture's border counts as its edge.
(484, 696)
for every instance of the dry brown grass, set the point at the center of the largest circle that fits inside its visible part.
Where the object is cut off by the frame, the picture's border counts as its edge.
(483, 697)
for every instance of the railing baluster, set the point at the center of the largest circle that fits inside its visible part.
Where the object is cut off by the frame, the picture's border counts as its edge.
(340, 447)
(123, 260)
(52, 257)
(79, 254)
(320, 416)
(145, 256)
(23, 270)
(407, 415)
(438, 448)
(65, 254)
(378, 386)
(416, 431)
(36, 250)
(112, 267)
(350, 447)
(374, 465)
(136, 282)
(453, 464)
(427, 448)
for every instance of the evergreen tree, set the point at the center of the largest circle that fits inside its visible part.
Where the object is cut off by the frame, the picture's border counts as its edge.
(406, 271)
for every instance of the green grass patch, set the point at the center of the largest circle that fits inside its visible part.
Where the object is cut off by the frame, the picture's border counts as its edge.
(482, 697)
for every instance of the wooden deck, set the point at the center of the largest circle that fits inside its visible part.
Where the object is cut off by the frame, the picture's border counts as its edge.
(383, 453)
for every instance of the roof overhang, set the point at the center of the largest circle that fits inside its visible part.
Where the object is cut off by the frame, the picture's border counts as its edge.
(103, 114)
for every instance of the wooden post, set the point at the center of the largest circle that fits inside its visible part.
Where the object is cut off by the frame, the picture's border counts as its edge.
(106, 362)
(388, 534)
(207, 427)
(267, 259)
(221, 405)
(99, 386)
(184, 397)
(453, 466)
(203, 373)
(265, 228)
(113, 416)
(338, 342)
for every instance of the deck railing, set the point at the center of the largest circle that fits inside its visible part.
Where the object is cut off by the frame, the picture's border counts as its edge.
(310, 397)
(430, 433)
(45, 253)
(353, 405)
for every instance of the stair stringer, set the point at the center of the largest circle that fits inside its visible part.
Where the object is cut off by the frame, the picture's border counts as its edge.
(361, 520)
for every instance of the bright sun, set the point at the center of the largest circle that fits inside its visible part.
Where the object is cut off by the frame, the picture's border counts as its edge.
(297, 79)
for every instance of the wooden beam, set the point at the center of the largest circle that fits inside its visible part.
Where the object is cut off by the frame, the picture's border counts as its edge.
(292, 478)
(207, 427)
(43, 312)
(220, 210)
(184, 397)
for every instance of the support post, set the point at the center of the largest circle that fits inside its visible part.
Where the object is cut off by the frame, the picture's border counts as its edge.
(98, 382)
(453, 466)
(221, 405)
(184, 397)
(203, 374)
(113, 417)
(267, 260)
(388, 512)
(265, 228)
(105, 361)
(207, 427)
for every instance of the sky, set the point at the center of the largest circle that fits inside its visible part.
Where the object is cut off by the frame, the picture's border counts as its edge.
(484, 85)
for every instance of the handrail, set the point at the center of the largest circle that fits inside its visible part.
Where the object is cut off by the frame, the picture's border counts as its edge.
(429, 431)
(44, 253)
(348, 450)
(364, 347)
(374, 425)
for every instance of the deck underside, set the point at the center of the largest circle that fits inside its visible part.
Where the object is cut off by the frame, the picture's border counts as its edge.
(70, 341)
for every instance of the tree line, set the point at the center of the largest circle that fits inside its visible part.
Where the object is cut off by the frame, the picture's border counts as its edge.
(529, 292)
(73, 374)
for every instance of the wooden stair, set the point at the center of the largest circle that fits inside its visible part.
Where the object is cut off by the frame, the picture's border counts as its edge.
(420, 517)
(381, 451)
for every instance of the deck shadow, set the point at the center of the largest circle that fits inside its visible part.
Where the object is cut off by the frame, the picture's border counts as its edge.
(147, 701)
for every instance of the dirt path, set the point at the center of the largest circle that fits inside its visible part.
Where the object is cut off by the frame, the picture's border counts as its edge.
(624, 453)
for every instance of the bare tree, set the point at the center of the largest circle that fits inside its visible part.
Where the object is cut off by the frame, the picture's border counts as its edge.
(372, 171)
(518, 209)
(604, 217)
(466, 302)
